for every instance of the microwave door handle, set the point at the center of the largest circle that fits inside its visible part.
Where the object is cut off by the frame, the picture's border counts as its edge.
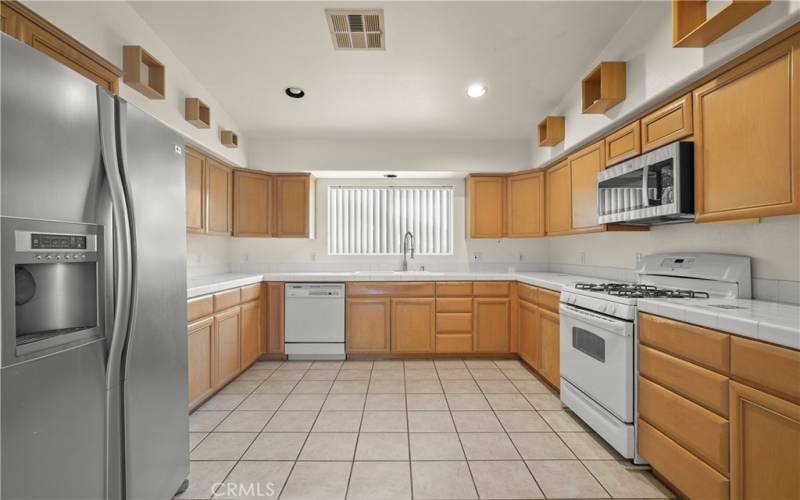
(608, 325)
(645, 196)
(123, 268)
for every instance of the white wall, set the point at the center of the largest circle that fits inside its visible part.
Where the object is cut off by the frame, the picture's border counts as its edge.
(774, 245)
(106, 27)
(259, 252)
(655, 69)
(387, 155)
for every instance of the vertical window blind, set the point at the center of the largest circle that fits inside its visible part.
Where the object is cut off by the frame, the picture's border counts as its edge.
(366, 220)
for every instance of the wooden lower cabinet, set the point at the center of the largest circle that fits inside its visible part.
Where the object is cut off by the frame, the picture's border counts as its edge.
(200, 355)
(549, 333)
(529, 339)
(250, 332)
(368, 325)
(491, 328)
(765, 445)
(228, 344)
(275, 336)
(413, 325)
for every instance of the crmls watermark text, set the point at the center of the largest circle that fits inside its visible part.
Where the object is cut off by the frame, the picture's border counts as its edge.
(244, 490)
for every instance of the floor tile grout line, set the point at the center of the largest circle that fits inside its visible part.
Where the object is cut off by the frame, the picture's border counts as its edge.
(461, 443)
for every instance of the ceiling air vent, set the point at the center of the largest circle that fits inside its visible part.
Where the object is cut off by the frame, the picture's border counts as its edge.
(356, 29)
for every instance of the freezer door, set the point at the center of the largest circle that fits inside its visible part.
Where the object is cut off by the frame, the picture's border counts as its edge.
(155, 385)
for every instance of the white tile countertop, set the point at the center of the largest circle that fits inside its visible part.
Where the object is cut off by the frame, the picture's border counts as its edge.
(772, 322)
(214, 283)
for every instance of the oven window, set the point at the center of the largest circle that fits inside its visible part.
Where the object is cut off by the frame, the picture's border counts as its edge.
(589, 343)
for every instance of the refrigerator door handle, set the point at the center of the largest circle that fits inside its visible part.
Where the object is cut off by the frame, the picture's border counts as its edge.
(122, 236)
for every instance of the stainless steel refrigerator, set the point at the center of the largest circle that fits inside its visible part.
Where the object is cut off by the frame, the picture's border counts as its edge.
(93, 370)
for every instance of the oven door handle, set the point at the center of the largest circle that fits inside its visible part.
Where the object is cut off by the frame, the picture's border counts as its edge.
(618, 327)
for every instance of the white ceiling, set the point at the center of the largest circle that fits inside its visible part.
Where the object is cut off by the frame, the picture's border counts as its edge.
(527, 53)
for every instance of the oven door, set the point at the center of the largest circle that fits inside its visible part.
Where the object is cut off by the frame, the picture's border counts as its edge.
(597, 358)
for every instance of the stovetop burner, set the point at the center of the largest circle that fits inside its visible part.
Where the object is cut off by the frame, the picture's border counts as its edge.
(641, 291)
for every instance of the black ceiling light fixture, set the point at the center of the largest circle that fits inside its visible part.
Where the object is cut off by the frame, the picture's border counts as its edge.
(295, 92)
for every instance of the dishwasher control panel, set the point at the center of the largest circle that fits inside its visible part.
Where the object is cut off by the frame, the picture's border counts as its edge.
(314, 290)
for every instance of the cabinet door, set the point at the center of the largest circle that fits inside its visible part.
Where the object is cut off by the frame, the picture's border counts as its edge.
(558, 194)
(250, 332)
(228, 352)
(218, 198)
(195, 194)
(414, 325)
(529, 342)
(275, 300)
(252, 203)
(291, 209)
(368, 326)
(765, 445)
(584, 166)
(491, 324)
(747, 151)
(526, 205)
(200, 360)
(549, 350)
(486, 206)
(623, 144)
(667, 124)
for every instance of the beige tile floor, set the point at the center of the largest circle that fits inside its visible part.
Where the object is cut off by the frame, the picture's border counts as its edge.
(385, 430)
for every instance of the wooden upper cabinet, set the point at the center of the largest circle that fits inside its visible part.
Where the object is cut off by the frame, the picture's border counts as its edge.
(668, 124)
(491, 324)
(747, 153)
(486, 206)
(765, 445)
(218, 197)
(584, 166)
(558, 195)
(549, 348)
(413, 325)
(195, 192)
(28, 27)
(623, 144)
(525, 193)
(252, 203)
(292, 208)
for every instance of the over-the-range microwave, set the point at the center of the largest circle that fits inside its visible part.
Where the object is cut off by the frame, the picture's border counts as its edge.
(653, 188)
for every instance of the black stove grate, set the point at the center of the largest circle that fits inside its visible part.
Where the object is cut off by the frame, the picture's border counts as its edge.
(641, 291)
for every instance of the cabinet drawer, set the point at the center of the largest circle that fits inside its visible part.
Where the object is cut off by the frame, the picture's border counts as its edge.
(226, 299)
(686, 472)
(699, 345)
(528, 293)
(491, 288)
(453, 305)
(454, 289)
(698, 430)
(384, 289)
(549, 300)
(771, 368)
(667, 124)
(454, 342)
(251, 292)
(199, 306)
(453, 322)
(704, 387)
(623, 144)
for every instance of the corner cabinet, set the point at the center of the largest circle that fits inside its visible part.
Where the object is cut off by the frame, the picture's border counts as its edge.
(558, 198)
(486, 206)
(584, 167)
(747, 133)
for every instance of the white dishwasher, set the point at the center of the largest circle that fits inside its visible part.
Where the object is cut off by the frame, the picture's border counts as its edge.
(314, 320)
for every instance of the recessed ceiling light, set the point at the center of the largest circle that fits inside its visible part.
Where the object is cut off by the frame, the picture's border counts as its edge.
(476, 90)
(295, 92)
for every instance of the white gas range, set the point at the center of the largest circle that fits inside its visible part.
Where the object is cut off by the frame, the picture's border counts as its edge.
(599, 338)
